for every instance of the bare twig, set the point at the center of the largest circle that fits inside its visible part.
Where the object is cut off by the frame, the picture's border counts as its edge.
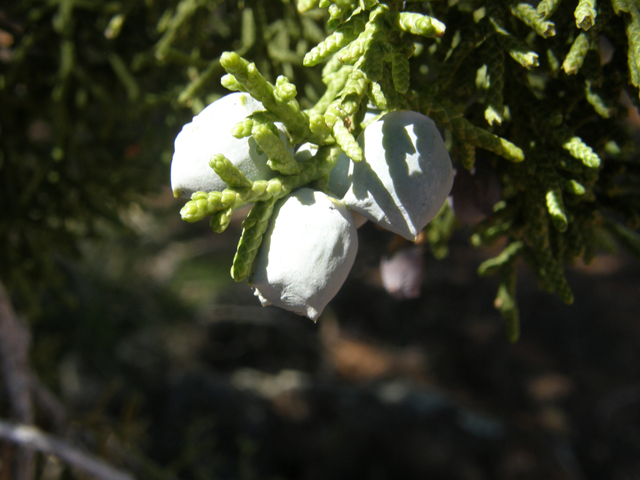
(34, 439)
(14, 365)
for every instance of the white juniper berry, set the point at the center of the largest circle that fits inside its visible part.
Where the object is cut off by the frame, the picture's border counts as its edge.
(209, 133)
(405, 177)
(306, 253)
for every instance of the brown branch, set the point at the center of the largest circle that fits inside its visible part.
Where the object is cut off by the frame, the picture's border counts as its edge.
(34, 439)
(14, 365)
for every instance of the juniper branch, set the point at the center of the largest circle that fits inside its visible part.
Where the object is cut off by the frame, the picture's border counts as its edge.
(573, 186)
(334, 42)
(620, 6)
(374, 32)
(596, 101)
(546, 8)
(465, 131)
(581, 151)
(507, 303)
(353, 91)
(555, 206)
(247, 75)
(576, 55)
(400, 72)
(528, 15)
(336, 82)
(495, 71)
(346, 141)
(519, 51)
(375, 94)
(280, 158)
(204, 204)
(228, 172)
(633, 37)
(495, 264)
(586, 14)
(373, 62)
(253, 229)
(418, 24)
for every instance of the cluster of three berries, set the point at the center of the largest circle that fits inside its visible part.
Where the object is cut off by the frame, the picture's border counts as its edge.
(311, 242)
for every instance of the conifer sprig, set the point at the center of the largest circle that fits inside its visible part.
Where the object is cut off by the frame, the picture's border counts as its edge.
(586, 14)
(336, 41)
(494, 113)
(286, 110)
(466, 132)
(577, 53)
(551, 202)
(530, 16)
(546, 8)
(519, 51)
(253, 229)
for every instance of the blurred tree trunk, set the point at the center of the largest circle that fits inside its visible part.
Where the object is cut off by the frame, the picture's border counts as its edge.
(17, 462)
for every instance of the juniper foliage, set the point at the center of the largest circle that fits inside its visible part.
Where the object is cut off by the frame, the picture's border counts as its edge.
(538, 90)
